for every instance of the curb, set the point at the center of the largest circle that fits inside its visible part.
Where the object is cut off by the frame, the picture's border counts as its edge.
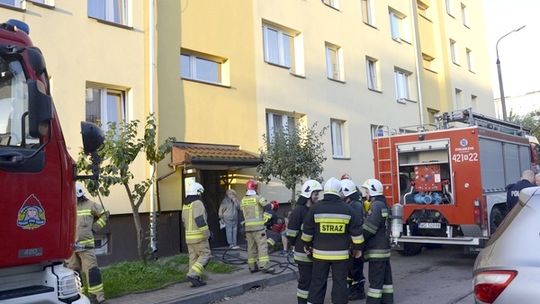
(234, 289)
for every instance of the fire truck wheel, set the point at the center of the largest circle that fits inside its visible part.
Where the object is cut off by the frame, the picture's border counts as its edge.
(495, 219)
(410, 249)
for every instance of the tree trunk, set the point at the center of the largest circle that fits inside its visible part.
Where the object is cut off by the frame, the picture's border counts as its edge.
(139, 233)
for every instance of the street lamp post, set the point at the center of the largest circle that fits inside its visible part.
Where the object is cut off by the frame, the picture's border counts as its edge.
(501, 89)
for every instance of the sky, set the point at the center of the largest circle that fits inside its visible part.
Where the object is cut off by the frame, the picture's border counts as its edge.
(519, 52)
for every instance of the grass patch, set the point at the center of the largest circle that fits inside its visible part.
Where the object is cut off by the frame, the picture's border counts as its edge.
(128, 277)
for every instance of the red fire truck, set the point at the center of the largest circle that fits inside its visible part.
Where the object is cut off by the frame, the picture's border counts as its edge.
(448, 185)
(37, 179)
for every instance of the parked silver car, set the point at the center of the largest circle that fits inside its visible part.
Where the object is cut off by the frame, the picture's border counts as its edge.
(507, 270)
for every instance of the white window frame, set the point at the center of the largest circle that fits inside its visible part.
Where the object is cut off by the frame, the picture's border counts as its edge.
(332, 3)
(470, 59)
(372, 74)
(474, 102)
(464, 15)
(368, 15)
(103, 94)
(109, 16)
(428, 62)
(16, 3)
(193, 67)
(458, 93)
(270, 127)
(334, 72)
(454, 52)
(281, 50)
(399, 27)
(402, 85)
(449, 7)
(338, 138)
(43, 2)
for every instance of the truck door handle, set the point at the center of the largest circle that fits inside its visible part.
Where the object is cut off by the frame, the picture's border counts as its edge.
(11, 159)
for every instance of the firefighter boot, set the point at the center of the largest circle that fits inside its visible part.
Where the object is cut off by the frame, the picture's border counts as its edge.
(356, 291)
(195, 281)
(269, 270)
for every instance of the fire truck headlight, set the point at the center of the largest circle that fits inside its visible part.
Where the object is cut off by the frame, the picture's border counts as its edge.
(69, 286)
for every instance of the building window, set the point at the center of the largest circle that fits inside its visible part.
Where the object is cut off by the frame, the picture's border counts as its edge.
(474, 103)
(454, 52)
(203, 68)
(464, 15)
(428, 62)
(105, 105)
(332, 3)
(470, 61)
(372, 68)
(14, 3)
(432, 113)
(401, 78)
(368, 16)
(115, 11)
(46, 2)
(278, 46)
(334, 62)
(279, 122)
(449, 7)
(459, 101)
(337, 131)
(399, 27)
(423, 9)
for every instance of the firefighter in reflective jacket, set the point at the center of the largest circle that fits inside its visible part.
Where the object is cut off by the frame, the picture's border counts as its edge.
(331, 227)
(377, 250)
(351, 196)
(91, 217)
(196, 234)
(253, 213)
(308, 197)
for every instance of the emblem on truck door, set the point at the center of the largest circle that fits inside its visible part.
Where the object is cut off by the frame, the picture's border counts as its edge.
(31, 215)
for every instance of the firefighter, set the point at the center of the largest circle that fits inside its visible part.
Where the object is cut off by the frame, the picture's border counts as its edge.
(253, 213)
(308, 197)
(331, 227)
(377, 248)
(91, 217)
(275, 228)
(512, 194)
(351, 196)
(194, 218)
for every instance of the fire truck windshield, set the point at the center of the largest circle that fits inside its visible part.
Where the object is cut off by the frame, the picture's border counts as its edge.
(14, 105)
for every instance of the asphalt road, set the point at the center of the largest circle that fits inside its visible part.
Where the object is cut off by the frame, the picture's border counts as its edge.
(436, 276)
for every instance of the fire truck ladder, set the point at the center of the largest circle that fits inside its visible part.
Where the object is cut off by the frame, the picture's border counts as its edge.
(385, 167)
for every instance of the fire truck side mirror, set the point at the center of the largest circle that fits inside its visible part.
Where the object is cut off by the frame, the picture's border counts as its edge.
(39, 109)
(92, 137)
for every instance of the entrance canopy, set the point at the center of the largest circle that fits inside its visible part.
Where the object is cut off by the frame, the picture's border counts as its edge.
(212, 156)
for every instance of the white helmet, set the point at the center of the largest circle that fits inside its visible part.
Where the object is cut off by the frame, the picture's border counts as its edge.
(373, 186)
(348, 187)
(309, 186)
(332, 186)
(79, 191)
(195, 189)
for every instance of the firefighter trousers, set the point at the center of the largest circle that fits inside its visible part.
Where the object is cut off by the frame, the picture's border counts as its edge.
(199, 255)
(304, 280)
(356, 270)
(381, 290)
(319, 279)
(257, 250)
(86, 262)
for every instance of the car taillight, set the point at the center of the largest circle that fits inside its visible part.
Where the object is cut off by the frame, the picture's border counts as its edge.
(488, 285)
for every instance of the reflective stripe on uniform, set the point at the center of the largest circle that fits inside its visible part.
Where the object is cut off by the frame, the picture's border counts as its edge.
(388, 289)
(330, 254)
(302, 257)
(267, 216)
(292, 233)
(95, 289)
(374, 293)
(101, 222)
(377, 254)
(303, 294)
(384, 212)
(307, 237)
(252, 260)
(369, 227)
(248, 201)
(332, 218)
(357, 240)
(198, 268)
(84, 212)
(254, 222)
(87, 242)
(264, 258)
(271, 241)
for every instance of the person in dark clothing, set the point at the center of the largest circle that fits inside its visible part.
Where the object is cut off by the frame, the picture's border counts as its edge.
(309, 196)
(377, 249)
(330, 229)
(275, 228)
(351, 196)
(512, 194)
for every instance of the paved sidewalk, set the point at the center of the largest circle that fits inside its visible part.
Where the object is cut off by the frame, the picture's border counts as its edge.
(219, 285)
